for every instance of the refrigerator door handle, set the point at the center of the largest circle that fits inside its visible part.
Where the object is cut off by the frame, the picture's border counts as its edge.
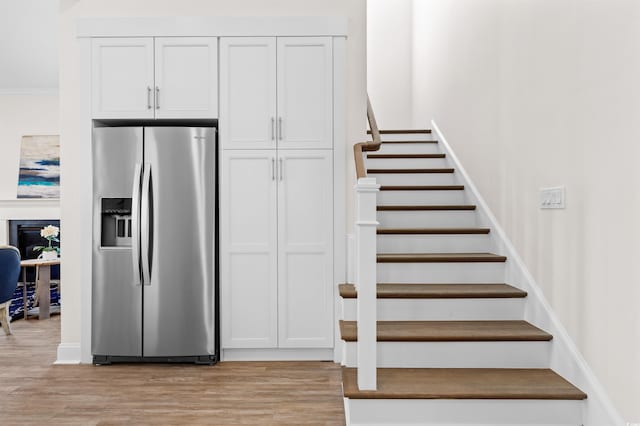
(135, 223)
(146, 224)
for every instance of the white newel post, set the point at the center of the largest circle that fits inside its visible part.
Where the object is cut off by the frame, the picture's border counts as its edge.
(366, 224)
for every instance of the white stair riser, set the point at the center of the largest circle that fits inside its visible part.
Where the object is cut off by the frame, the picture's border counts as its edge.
(456, 354)
(427, 219)
(440, 309)
(445, 273)
(406, 163)
(407, 137)
(421, 197)
(415, 178)
(452, 243)
(463, 412)
(409, 148)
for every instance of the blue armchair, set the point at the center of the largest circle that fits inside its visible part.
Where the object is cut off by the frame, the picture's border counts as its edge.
(9, 273)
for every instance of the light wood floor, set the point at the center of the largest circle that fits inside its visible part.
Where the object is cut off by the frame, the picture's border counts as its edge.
(32, 391)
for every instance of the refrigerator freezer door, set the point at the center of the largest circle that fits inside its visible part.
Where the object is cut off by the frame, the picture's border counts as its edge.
(179, 296)
(117, 295)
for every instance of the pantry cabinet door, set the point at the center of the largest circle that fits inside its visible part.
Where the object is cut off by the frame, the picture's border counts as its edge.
(305, 92)
(247, 92)
(186, 77)
(248, 249)
(305, 259)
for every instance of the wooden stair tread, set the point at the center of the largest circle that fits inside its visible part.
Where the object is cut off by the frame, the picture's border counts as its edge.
(421, 187)
(437, 291)
(434, 231)
(401, 131)
(463, 383)
(409, 171)
(425, 207)
(438, 257)
(406, 155)
(449, 331)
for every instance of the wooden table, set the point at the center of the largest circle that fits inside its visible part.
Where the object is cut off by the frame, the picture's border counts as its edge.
(43, 284)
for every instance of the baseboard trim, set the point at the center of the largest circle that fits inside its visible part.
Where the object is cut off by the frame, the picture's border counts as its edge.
(68, 354)
(284, 354)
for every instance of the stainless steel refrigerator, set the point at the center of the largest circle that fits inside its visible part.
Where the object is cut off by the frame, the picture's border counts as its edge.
(154, 245)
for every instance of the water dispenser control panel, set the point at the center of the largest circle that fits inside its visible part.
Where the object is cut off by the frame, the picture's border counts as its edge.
(116, 222)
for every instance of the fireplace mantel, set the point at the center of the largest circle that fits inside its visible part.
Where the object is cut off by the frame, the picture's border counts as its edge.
(25, 209)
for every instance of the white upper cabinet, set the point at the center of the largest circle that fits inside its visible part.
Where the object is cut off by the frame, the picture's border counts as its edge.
(179, 81)
(305, 89)
(186, 86)
(248, 92)
(276, 92)
(122, 77)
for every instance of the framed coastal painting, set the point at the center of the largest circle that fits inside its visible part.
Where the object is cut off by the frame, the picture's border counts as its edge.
(39, 175)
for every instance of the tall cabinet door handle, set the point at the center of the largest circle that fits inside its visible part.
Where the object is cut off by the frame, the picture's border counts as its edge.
(273, 128)
(273, 169)
(148, 97)
(281, 170)
(280, 128)
(157, 97)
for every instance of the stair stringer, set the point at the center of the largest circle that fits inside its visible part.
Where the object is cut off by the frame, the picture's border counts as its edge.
(566, 359)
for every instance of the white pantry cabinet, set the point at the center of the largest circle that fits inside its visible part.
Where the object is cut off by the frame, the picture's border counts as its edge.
(305, 262)
(276, 92)
(161, 77)
(276, 249)
(248, 249)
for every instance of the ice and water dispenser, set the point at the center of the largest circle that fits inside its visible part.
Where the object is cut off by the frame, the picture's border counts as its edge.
(116, 222)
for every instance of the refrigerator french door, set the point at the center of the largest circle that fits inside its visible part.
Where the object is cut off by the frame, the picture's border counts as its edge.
(154, 286)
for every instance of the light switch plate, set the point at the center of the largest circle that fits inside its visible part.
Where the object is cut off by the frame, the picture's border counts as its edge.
(552, 198)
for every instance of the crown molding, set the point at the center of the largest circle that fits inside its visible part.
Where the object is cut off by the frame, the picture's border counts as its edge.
(32, 92)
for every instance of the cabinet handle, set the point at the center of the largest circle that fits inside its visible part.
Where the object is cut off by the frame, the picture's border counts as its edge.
(148, 97)
(273, 128)
(273, 169)
(280, 128)
(281, 169)
(157, 97)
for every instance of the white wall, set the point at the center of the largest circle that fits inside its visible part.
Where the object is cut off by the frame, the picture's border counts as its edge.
(73, 163)
(28, 46)
(389, 61)
(22, 114)
(536, 93)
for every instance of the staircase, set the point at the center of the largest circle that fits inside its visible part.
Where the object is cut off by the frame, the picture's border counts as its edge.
(452, 345)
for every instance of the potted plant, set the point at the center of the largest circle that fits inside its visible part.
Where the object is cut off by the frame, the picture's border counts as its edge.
(50, 233)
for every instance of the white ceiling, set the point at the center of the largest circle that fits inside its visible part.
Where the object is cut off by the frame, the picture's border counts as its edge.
(28, 45)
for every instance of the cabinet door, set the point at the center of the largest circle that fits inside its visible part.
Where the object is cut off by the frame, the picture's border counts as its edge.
(247, 92)
(305, 271)
(305, 92)
(122, 77)
(248, 249)
(186, 76)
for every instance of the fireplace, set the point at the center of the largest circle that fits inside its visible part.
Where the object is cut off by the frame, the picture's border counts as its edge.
(25, 235)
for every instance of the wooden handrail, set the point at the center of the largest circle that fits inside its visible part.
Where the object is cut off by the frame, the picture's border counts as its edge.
(360, 148)
(373, 125)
